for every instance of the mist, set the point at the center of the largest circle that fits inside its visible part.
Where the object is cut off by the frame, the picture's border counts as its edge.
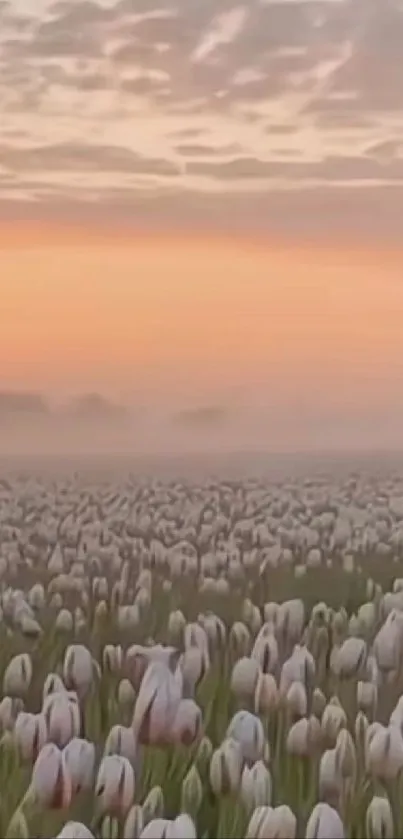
(93, 424)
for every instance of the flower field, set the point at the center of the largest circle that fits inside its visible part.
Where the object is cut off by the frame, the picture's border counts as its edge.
(192, 660)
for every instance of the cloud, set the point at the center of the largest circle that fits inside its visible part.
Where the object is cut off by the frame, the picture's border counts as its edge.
(225, 28)
(77, 156)
(200, 150)
(145, 100)
(332, 169)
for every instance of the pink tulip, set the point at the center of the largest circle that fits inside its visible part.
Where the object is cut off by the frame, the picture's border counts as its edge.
(157, 704)
(51, 782)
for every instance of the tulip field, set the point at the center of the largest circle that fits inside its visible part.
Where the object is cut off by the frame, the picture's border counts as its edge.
(201, 659)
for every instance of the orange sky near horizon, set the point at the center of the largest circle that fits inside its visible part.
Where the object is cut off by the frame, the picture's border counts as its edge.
(195, 315)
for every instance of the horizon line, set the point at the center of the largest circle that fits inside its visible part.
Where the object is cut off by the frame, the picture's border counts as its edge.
(49, 234)
(202, 453)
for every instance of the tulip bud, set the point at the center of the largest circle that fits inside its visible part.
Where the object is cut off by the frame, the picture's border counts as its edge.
(112, 658)
(204, 753)
(109, 828)
(330, 779)
(333, 719)
(318, 703)
(18, 826)
(136, 664)
(192, 792)
(360, 727)
(10, 707)
(345, 754)
(256, 786)
(265, 651)
(121, 741)
(64, 623)
(176, 626)
(226, 768)
(126, 693)
(52, 684)
(239, 638)
(153, 805)
(296, 699)
(266, 694)
(193, 666)
(134, 823)
(367, 697)
(379, 819)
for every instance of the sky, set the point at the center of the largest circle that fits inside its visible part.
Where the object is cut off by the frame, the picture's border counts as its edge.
(200, 218)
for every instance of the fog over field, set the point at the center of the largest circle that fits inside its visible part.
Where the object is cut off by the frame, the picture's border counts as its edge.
(92, 424)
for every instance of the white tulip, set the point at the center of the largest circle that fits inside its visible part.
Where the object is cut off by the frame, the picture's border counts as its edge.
(52, 684)
(79, 755)
(30, 734)
(272, 823)
(134, 824)
(350, 659)
(256, 785)
(244, 677)
(226, 766)
(155, 829)
(63, 717)
(75, 830)
(296, 699)
(379, 819)
(121, 741)
(78, 669)
(181, 828)
(384, 754)
(247, 729)
(304, 737)
(324, 823)
(333, 719)
(330, 778)
(115, 785)
(18, 675)
(157, 704)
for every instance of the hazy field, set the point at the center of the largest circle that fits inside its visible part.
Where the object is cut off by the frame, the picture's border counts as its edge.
(206, 646)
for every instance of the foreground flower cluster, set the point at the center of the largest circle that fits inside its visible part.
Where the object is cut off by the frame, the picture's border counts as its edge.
(222, 659)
